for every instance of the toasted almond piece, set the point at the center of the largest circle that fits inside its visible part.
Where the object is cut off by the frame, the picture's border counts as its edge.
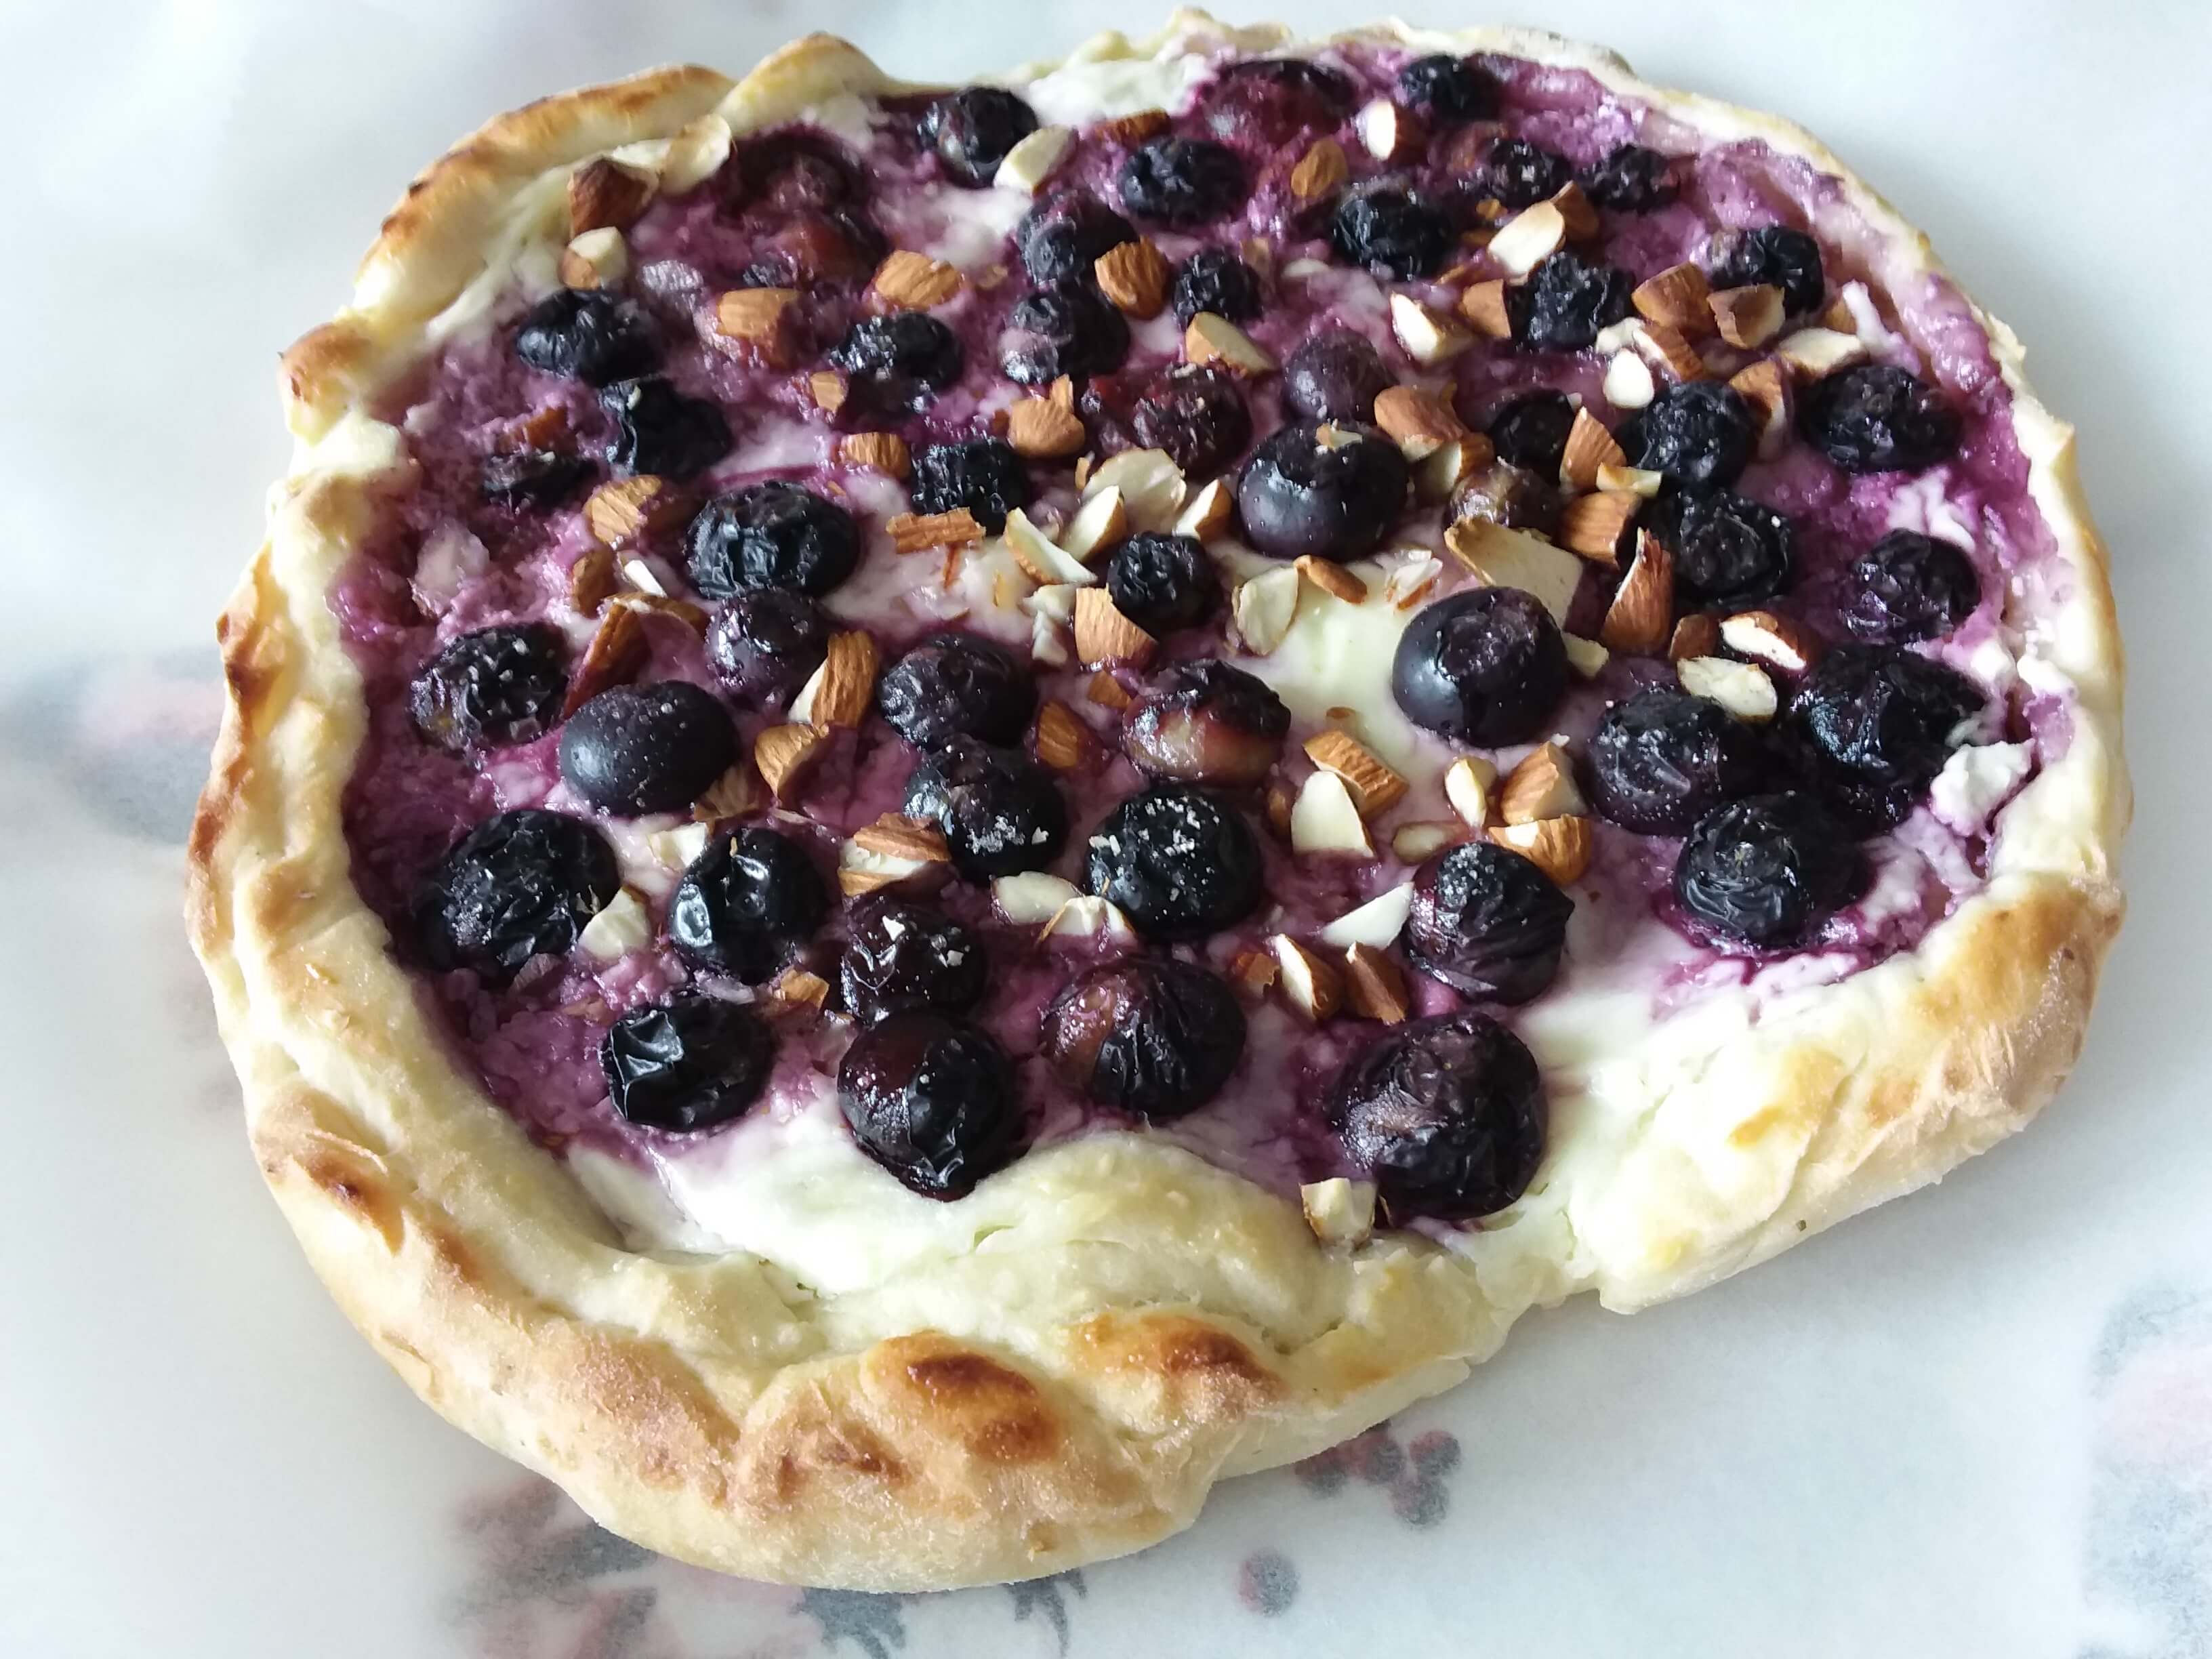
(1586, 657)
(1063, 742)
(1101, 521)
(1055, 600)
(735, 794)
(1593, 526)
(1320, 170)
(1264, 608)
(861, 871)
(1375, 788)
(1104, 634)
(1325, 818)
(1030, 899)
(1420, 419)
(1208, 516)
(598, 258)
(1085, 917)
(1213, 339)
(1411, 577)
(591, 581)
(1422, 839)
(1030, 162)
(1529, 238)
(1664, 346)
(1331, 578)
(1310, 981)
(1375, 986)
(795, 987)
(1678, 297)
(1696, 635)
(916, 281)
(1642, 614)
(1748, 317)
(1575, 211)
(1428, 336)
(1560, 848)
(918, 533)
(616, 651)
(1151, 486)
(623, 510)
(1589, 447)
(1254, 970)
(1376, 923)
(1470, 785)
(826, 386)
(1050, 643)
(695, 155)
(1639, 482)
(1778, 642)
(879, 452)
(622, 925)
(1387, 131)
(660, 604)
(1277, 801)
(897, 836)
(1483, 305)
(675, 849)
(1339, 1211)
(756, 315)
(784, 755)
(1628, 383)
(1741, 688)
(1041, 559)
(1107, 692)
(1767, 388)
(1813, 352)
(1135, 128)
(1541, 786)
(1838, 314)
(848, 681)
(1514, 558)
(1439, 476)
(604, 191)
(1134, 275)
(641, 574)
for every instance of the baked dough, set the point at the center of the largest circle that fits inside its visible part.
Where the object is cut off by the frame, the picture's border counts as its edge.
(1072, 1356)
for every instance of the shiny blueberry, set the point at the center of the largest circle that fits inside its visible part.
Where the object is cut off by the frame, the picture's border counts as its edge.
(826, 245)
(1448, 89)
(1062, 236)
(1531, 431)
(764, 644)
(984, 474)
(1333, 490)
(746, 903)
(1875, 417)
(1155, 1038)
(1909, 586)
(1565, 302)
(1766, 871)
(1486, 666)
(489, 690)
(1630, 180)
(1487, 922)
(971, 131)
(690, 1063)
(1214, 279)
(1000, 811)
(1700, 433)
(933, 1101)
(1661, 759)
(1518, 172)
(1395, 233)
(899, 363)
(647, 748)
(1179, 862)
(659, 430)
(1507, 494)
(906, 956)
(1773, 254)
(532, 477)
(1069, 328)
(953, 685)
(1446, 1116)
(1163, 583)
(519, 885)
(584, 335)
(1271, 100)
(1729, 551)
(1205, 722)
(1335, 376)
(770, 535)
(1182, 181)
(1196, 413)
(1878, 715)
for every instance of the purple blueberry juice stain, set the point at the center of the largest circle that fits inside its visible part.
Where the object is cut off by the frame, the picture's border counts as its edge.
(1267, 1582)
(1417, 1474)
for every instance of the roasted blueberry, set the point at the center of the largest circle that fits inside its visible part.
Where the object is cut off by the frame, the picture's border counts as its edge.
(1729, 551)
(746, 903)
(1661, 759)
(1155, 1038)
(1514, 497)
(1182, 181)
(1214, 279)
(1179, 862)
(1773, 254)
(490, 689)
(1448, 89)
(903, 956)
(1487, 922)
(1446, 1115)
(1909, 586)
(647, 748)
(532, 477)
(690, 1063)
(900, 361)
(1877, 715)
(983, 475)
(954, 685)
(1565, 302)
(1335, 376)
(1163, 583)
(825, 244)
(1205, 722)
(1062, 236)
(1273, 100)
(660, 431)
(1486, 666)
(933, 1101)
(1766, 871)
(1518, 172)
(1333, 490)
(1700, 433)
(791, 171)
(1531, 431)
(1630, 180)
(971, 131)
(764, 644)
(1000, 811)
(1196, 413)
(1395, 233)
(584, 335)
(1875, 417)
(1068, 328)
(770, 535)
(519, 885)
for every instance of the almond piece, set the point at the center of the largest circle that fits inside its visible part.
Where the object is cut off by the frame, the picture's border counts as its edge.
(1560, 848)
(794, 988)
(1375, 986)
(1084, 917)
(1104, 634)
(1778, 642)
(1529, 238)
(1483, 305)
(1030, 162)
(1042, 561)
(1339, 1211)
(1254, 970)
(1420, 419)
(1063, 742)
(1575, 212)
(1813, 352)
(1101, 521)
(1586, 657)
(877, 452)
(1134, 275)
(1376, 923)
(1042, 430)
(1638, 621)
(1589, 447)
(1107, 692)
(660, 604)
(1412, 578)
(675, 849)
(1049, 643)
(826, 386)
(1748, 317)
(1422, 839)
(1696, 635)
(622, 925)
(756, 315)
(1741, 688)
(783, 755)
(1428, 336)
(1213, 339)
(1438, 477)
(616, 651)
(1470, 785)
(1541, 786)
(916, 281)
(591, 581)
(1320, 170)
(1030, 899)
(1310, 982)
(1514, 558)
(625, 510)
(848, 681)
(1134, 128)
(1151, 486)
(1208, 516)
(1387, 131)
(1375, 788)
(1593, 526)
(1264, 608)
(1767, 388)
(1325, 818)
(1628, 383)
(695, 155)
(1838, 314)
(1639, 482)
(1677, 297)
(598, 258)
(1664, 346)
(919, 841)
(738, 793)
(918, 533)
(603, 192)
(1331, 578)
(893, 851)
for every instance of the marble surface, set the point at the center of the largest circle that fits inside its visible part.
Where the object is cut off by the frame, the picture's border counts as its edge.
(1979, 1422)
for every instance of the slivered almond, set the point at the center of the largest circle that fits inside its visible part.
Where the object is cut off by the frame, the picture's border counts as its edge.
(1696, 635)
(1778, 642)
(737, 792)
(621, 512)
(1589, 447)
(1375, 986)
(1331, 578)
(616, 651)
(1063, 742)
(1664, 346)
(1593, 526)
(1560, 848)
(1310, 981)
(604, 191)
(784, 755)
(756, 315)
(1639, 482)
(591, 580)
(795, 987)
(1483, 305)
(879, 452)
(916, 281)
(1104, 634)
(1255, 970)
(1134, 128)
(1134, 275)
(1575, 212)
(1741, 688)
(847, 682)
(1748, 317)
(1637, 622)
(1541, 786)
(899, 837)
(1387, 131)
(1107, 692)
(1767, 388)
(1375, 788)
(1208, 515)
(1422, 839)
(918, 533)
(826, 387)
(1428, 336)
(1321, 170)
(1470, 785)
(1676, 297)
(1213, 339)
(598, 258)
(1529, 238)
(1420, 419)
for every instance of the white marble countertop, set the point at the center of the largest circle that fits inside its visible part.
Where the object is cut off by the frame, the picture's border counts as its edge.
(1979, 1422)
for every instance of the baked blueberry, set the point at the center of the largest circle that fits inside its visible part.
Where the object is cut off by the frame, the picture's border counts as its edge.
(983, 475)
(1700, 433)
(1163, 583)
(1630, 180)
(1273, 100)
(1335, 376)
(764, 644)
(581, 334)
(1395, 233)
(969, 131)
(490, 689)
(532, 478)
(1514, 497)
(1565, 302)
(903, 956)
(1062, 236)
(1000, 811)
(933, 1101)
(1875, 418)
(1196, 413)
(1205, 722)
(836, 244)
(1333, 490)
(1214, 279)
(1446, 1115)
(1154, 1038)
(1766, 871)
(1487, 922)
(746, 903)
(1531, 431)
(791, 170)
(659, 430)
(897, 363)
(1486, 666)
(1448, 89)
(1182, 181)
(690, 1063)
(519, 885)
(954, 685)
(1068, 328)
(1178, 861)
(1878, 715)
(1661, 759)
(647, 748)
(1771, 254)
(1909, 586)
(1729, 551)
(770, 535)
(1518, 172)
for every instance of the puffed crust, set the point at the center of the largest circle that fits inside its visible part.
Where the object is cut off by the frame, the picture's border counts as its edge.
(1170, 1324)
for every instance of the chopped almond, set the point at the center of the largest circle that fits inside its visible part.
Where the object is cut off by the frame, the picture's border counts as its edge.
(1135, 129)
(1031, 162)
(1575, 212)
(918, 533)
(1320, 170)
(1101, 521)
(661, 605)
(1107, 692)
(784, 755)
(1208, 515)
(1421, 421)
(616, 651)
(795, 987)
(1589, 447)
(695, 154)
(916, 281)
(1439, 476)
(1134, 275)
(1586, 657)
(598, 258)
(1310, 981)
(1813, 352)
(625, 510)
(1560, 848)
(1428, 337)
(1696, 635)
(847, 682)
(1529, 238)
(1748, 317)
(604, 191)
(1676, 297)
(1255, 970)
(901, 837)
(1339, 1211)
(1042, 429)
(826, 387)
(1469, 785)
(1504, 558)
(1593, 526)
(1375, 986)
(1776, 641)
(1104, 634)
(1332, 579)
(1483, 305)
(1412, 843)
(1767, 388)
(1151, 485)
(1541, 786)
(1375, 788)
(1664, 346)
(1043, 561)
(1212, 339)
(1639, 482)
(1325, 818)
(1063, 742)
(735, 794)
(756, 315)
(879, 452)
(1628, 383)
(1637, 622)
(1741, 688)
(591, 581)
(1388, 131)
(1264, 608)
